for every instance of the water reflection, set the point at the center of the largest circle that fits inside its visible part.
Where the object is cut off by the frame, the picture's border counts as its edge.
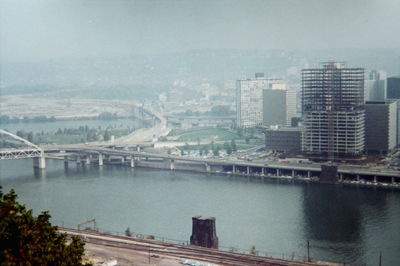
(333, 219)
(39, 173)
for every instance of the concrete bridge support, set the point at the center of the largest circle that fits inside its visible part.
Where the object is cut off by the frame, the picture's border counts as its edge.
(262, 171)
(293, 173)
(66, 161)
(39, 162)
(132, 161)
(309, 174)
(340, 177)
(172, 164)
(78, 160)
(234, 169)
(100, 159)
(123, 160)
(208, 168)
(248, 170)
(278, 172)
(88, 160)
(375, 180)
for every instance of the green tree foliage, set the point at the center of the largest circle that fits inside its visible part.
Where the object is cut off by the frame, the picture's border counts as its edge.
(107, 135)
(128, 232)
(29, 240)
(233, 145)
(216, 151)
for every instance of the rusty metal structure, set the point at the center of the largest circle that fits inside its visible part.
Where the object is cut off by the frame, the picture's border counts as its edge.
(333, 110)
(203, 232)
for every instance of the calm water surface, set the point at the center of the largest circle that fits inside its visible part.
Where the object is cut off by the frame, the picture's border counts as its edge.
(343, 224)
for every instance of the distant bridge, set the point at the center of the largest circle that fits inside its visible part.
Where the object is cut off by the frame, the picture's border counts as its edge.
(32, 151)
(85, 155)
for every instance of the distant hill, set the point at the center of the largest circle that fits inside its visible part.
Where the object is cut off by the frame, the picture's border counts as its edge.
(145, 76)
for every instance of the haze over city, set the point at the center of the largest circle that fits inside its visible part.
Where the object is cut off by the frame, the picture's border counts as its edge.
(170, 132)
(37, 30)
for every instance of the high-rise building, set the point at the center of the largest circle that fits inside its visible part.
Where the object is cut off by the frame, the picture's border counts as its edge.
(279, 106)
(393, 87)
(274, 107)
(380, 126)
(249, 99)
(291, 106)
(333, 110)
(375, 86)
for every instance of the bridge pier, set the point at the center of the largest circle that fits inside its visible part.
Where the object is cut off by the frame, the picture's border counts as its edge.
(39, 162)
(87, 160)
(293, 173)
(208, 168)
(138, 148)
(172, 164)
(233, 169)
(123, 160)
(375, 181)
(277, 172)
(66, 161)
(262, 171)
(100, 159)
(132, 161)
(309, 174)
(78, 160)
(248, 170)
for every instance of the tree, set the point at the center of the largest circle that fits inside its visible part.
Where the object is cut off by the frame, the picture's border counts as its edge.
(128, 232)
(233, 145)
(216, 151)
(229, 150)
(253, 250)
(107, 136)
(30, 136)
(25, 239)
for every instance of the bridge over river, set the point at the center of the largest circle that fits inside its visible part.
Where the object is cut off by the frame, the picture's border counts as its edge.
(132, 156)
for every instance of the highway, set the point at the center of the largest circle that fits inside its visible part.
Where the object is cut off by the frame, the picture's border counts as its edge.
(347, 169)
(146, 134)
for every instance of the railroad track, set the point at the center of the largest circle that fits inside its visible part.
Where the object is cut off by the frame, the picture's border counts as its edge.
(180, 251)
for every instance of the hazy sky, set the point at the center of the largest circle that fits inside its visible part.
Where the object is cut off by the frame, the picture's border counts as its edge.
(39, 29)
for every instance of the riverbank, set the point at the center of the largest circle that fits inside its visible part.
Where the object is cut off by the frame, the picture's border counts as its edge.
(125, 250)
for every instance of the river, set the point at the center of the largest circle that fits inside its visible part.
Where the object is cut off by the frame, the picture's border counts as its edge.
(343, 224)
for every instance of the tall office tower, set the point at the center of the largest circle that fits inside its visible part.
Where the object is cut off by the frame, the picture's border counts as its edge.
(291, 106)
(274, 107)
(393, 87)
(249, 100)
(375, 86)
(333, 110)
(381, 126)
(279, 106)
